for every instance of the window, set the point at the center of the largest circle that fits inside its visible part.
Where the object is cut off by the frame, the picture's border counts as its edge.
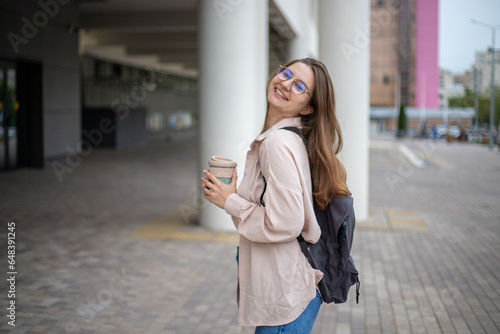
(386, 79)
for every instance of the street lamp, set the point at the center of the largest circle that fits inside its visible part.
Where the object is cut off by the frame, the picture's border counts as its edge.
(492, 87)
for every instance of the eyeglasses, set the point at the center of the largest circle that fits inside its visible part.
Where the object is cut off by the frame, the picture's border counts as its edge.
(298, 86)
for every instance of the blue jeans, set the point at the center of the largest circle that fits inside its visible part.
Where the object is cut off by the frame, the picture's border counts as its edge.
(302, 325)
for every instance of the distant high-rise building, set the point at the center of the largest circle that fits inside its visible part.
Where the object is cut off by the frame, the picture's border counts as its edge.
(404, 53)
(453, 85)
(483, 67)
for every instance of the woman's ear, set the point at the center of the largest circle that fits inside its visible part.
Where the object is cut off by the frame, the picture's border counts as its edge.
(307, 110)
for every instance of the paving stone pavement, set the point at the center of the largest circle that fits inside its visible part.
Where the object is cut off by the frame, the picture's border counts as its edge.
(88, 259)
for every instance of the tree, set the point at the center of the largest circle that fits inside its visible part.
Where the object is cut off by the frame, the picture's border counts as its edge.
(467, 101)
(402, 122)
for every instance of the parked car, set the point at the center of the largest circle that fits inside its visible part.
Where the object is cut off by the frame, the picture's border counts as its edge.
(441, 130)
(454, 131)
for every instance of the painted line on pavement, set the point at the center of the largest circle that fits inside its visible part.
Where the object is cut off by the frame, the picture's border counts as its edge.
(413, 158)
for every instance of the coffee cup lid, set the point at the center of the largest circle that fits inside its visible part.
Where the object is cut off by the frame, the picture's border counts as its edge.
(222, 162)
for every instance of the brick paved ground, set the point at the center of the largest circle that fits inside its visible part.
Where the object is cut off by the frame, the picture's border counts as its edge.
(88, 262)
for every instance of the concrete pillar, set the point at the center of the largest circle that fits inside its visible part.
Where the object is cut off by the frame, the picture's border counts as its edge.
(233, 52)
(298, 17)
(301, 16)
(344, 47)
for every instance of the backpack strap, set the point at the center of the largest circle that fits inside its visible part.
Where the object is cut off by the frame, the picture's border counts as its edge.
(296, 130)
(289, 128)
(358, 283)
(263, 191)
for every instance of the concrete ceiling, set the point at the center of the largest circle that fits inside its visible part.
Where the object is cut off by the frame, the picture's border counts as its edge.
(161, 34)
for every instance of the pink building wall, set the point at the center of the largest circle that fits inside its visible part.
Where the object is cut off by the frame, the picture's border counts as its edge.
(426, 54)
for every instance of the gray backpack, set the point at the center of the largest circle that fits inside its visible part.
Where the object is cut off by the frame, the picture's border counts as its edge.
(331, 254)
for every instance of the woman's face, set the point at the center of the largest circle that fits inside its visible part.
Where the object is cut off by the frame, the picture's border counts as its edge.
(281, 98)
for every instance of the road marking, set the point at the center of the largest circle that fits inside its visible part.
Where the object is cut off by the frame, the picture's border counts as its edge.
(413, 158)
(171, 226)
(407, 222)
(402, 213)
(406, 219)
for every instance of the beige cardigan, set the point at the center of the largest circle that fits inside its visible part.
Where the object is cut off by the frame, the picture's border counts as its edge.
(276, 282)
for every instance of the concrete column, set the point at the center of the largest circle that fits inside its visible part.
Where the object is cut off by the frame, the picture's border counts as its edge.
(344, 47)
(233, 53)
(298, 47)
(301, 15)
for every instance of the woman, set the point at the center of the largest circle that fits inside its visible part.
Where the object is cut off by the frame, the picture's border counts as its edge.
(274, 204)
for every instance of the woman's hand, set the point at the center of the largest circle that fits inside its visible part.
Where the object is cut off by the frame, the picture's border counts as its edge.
(216, 191)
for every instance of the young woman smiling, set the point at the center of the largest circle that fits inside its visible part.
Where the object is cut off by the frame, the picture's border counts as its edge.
(274, 202)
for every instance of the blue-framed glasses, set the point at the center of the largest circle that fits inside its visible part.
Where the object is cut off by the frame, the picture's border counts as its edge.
(298, 86)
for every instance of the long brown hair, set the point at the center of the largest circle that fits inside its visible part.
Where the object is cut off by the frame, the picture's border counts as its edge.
(323, 136)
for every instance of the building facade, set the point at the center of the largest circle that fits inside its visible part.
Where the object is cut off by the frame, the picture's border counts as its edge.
(483, 65)
(418, 120)
(452, 85)
(71, 61)
(39, 56)
(404, 53)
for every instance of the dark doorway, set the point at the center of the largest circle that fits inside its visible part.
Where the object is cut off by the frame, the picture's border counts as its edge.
(21, 123)
(8, 116)
(30, 115)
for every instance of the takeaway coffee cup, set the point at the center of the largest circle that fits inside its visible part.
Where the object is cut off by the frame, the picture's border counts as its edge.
(222, 168)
